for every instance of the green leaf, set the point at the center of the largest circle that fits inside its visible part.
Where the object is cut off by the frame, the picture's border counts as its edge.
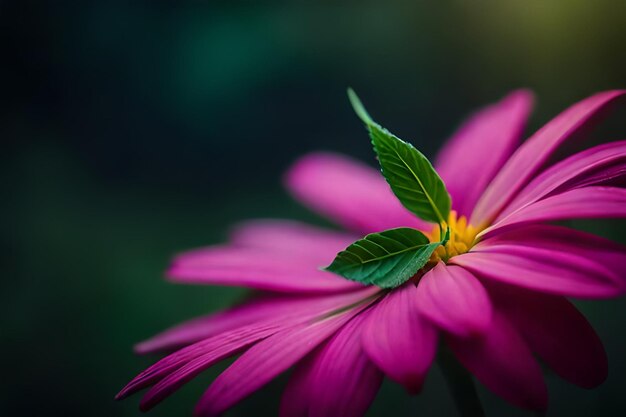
(409, 173)
(386, 259)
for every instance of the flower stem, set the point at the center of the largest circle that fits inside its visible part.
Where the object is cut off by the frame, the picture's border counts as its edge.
(460, 384)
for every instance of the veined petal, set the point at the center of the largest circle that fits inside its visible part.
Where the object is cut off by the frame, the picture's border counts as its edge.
(399, 340)
(476, 152)
(206, 326)
(266, 360)
(610, 176)
(556, 331)
(290, 238)
(212, 349)
(336, 380)
(580, 203)
(582, 169)
(551, 259)
(247, 329)
(532, 155)
(503, 363)
(254, 311)
(255, 268)
(349, 192)
(455, 300)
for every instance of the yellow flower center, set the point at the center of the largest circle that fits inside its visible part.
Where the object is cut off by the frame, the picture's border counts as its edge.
(462, 238)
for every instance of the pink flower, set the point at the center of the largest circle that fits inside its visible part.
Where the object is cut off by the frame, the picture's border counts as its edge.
(500, 299)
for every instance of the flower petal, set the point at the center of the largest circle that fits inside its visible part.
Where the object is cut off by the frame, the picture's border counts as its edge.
(455, 300)
(266, 360)
(532, 155)
(318, 246)
(212, 349)
(204, 327)
(174, 370)
(581, 169)
(556, 331)
(580, 203)
(255, 268)
(504, 364)
(255, 311)
(349, 192)
(551, 259)
(336, 380)
(476, 152)
(399, 340)
(610, 176)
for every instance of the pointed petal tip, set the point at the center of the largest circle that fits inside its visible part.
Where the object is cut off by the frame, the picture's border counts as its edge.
(595, 379)
(143, 407)
(539, 404)
(524, 95)
(131, 388)
(143, 348)
(125, 392)
(205, 411)
(413, 386)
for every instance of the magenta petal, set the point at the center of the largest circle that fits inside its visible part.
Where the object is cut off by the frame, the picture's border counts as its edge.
(212, 350)
(257, 269)
(272, 316)
(399, 340)
(336, 380)
(532, 155)
(203, 327)
(582, 169)
(255, 311)
(349, 192)
(610, 176)
(580, 203)
(480, 147)
(551, 259)
(556, 331)
(266, 360)
(289, 238)
(503, 363)
(455, 300)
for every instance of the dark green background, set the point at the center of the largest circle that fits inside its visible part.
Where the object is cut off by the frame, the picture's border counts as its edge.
(133, 130)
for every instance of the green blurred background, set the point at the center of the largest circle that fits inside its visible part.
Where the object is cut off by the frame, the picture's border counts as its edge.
(132, 130)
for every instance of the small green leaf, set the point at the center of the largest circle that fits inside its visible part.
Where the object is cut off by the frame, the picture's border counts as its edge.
(386, 259)
(409, 173)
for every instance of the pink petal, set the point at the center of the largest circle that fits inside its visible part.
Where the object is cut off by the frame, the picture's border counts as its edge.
(579, 203)
(551, 259)
(213, 350)
(349, 192)
(398, 340)
(336, 380)
(254, 268)
(558, 333)
(611, 176)
(255, 311)
(204, 327)
(455, 300)
(532, 155)
(504, 364)
(480, 147)
(177, 368)
(266, 360)
(581, 169)
(290, 238)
